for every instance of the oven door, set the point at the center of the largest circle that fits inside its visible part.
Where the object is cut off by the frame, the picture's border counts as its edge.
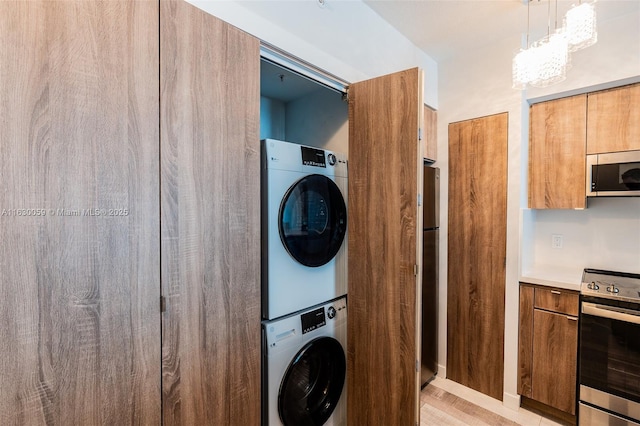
(609, 358)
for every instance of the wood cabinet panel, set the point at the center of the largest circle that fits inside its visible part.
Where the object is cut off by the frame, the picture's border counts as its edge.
(525, 341)
(477, 251)
(547, 349)
(430, 135)
(614, 120)
(210, 230)
(384, 164)
(557, 300)
(557, 147)
(555, 352)
(80, 340)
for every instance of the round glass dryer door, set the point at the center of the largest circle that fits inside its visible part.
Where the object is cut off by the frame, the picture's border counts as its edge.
(313, 383)
(313, 220)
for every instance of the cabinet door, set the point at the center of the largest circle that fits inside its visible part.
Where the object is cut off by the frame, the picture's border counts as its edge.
(430, 134)
(525, 340)
(557, 162)
(477, 252)
(210, 201)
(79, 258)
(385, 177)
(614, 120)
(555, 349)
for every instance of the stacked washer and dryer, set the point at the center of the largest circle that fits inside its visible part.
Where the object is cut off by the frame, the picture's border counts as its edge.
(304, 284)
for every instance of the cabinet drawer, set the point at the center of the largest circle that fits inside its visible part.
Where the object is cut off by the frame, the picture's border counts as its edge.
(557, 300)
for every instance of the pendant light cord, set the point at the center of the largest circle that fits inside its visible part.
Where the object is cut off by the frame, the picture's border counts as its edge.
(528, 13)
(548, 17)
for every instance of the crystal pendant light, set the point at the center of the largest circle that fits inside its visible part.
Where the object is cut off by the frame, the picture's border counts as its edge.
(552, 53)
(580, 26)
(524, 63)
(525, 68)
(544, 62)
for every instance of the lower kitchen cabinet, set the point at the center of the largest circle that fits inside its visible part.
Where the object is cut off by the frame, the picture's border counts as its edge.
(548, 349)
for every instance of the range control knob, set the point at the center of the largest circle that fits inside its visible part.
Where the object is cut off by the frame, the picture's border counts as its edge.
(593, 286)
(332, 159)
(613, 289)
(331, 312)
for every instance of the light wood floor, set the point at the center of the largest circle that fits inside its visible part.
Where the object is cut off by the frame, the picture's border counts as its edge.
(446, 403)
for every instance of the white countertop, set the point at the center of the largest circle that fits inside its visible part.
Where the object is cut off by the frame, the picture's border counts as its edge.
(553, 276)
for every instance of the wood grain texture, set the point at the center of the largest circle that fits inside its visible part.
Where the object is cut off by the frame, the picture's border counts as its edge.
(614, 120)
(430, 136)
(525, 340)
(476, 252)
(558, 300)
(210, 231)
(384, 153)
(80, 340)
(555, 349)
(557, 147)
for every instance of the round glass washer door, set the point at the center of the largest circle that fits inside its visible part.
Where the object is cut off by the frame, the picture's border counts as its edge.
(313, 383)
(313, 220)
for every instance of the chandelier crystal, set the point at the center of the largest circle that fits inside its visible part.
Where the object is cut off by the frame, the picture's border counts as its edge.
(580, 26)
(551, 60)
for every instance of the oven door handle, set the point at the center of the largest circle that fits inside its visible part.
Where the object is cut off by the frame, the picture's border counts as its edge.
(618, 314)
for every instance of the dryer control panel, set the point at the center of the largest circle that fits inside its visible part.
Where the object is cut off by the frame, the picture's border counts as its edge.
(312, 320)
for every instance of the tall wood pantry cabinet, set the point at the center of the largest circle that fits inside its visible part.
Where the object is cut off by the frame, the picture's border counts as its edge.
(477, 239)
(129, 221)
(129, 169)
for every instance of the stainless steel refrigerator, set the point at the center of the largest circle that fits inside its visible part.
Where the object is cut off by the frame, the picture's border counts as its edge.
(431, 223)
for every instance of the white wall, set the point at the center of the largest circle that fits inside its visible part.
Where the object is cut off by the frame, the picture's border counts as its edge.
(319, 119)
(607, 234)
(272, 119)
(345, 38)
(604, 236)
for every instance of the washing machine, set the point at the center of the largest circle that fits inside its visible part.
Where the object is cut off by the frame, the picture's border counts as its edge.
(304, 367)
(304, 227)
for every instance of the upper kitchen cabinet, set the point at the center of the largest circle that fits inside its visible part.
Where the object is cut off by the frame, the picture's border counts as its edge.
(557, 153)
(80, 251)
(614, 120)
(430, 134)
(385, 178)
(210, 228)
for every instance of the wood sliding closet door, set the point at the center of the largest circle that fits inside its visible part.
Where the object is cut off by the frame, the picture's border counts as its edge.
(79, 204)
(210, 191)
(477, 253)
(385, 175)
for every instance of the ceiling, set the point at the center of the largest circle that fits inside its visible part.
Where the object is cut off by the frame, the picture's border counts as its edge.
(442, 28)
(282, 84)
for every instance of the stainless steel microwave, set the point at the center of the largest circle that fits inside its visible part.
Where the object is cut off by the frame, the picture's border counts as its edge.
(614, 174)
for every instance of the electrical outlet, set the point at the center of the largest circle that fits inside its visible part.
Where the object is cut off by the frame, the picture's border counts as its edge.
(556, 241)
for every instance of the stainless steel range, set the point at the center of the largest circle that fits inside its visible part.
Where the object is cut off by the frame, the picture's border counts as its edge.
(609, 349)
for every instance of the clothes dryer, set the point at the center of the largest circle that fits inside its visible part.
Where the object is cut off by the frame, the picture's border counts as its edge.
(304, 370)
(304, 227)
